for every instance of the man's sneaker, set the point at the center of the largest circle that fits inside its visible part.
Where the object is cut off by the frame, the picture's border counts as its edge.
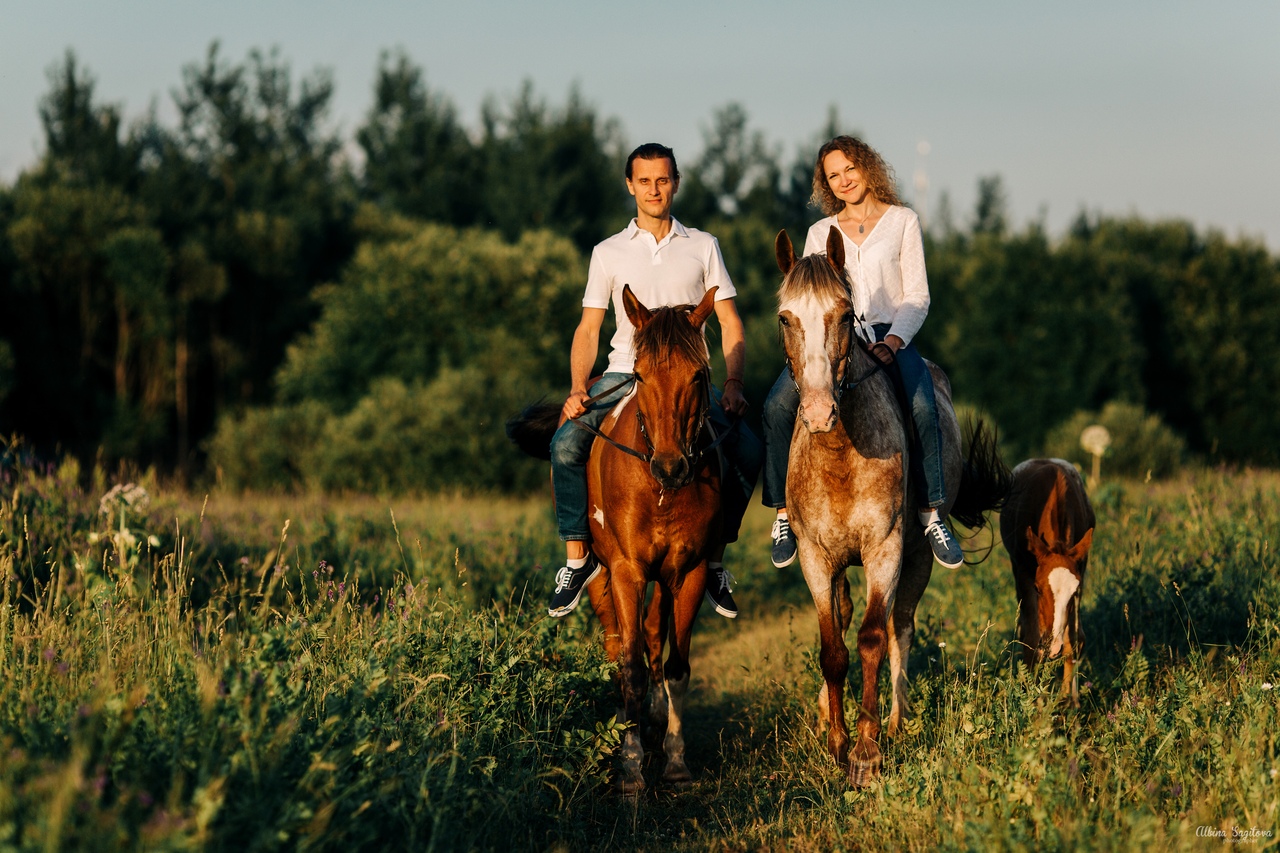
(569, 586)
(784, 543)
(720, 592)
(946, 550)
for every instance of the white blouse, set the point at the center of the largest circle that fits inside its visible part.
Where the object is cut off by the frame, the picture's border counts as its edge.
(889, 281)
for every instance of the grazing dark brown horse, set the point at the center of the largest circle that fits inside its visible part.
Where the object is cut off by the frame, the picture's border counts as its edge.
(1047, 527)
(654, 520)
(849, 498)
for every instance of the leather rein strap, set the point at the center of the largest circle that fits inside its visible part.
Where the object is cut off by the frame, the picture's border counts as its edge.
(648, 458)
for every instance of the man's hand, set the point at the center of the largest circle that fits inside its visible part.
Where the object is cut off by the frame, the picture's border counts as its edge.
(732, 400)
(573, 407)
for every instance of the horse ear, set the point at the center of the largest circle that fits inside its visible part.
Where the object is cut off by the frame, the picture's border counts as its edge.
(1039, 548)
(835, 250)
(784, 252)
(699, 315)
(1080, 550)
(636, 312)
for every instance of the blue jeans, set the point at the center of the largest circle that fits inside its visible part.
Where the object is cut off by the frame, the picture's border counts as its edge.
(571, 446)
(912, 377)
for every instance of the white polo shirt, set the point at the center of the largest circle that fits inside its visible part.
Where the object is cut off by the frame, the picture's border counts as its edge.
(677, 270)
(887, 270)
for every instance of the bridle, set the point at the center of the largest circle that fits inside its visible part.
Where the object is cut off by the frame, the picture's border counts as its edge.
(846, 361)
(691, 452)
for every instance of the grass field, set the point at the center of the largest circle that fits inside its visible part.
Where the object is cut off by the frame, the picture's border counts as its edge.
(316, 672)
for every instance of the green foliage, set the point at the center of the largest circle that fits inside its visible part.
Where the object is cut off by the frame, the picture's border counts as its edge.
(447, 433)
(433, 338)
(268, 447)
(167, 280)
(438, 297)
(339, 683)
(6, 370)
(418, 159)
(1141, 444)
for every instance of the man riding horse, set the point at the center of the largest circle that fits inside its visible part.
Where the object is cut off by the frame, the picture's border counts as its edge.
(665, 263)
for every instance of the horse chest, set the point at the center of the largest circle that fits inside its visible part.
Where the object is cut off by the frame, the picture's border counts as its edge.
(664, 531)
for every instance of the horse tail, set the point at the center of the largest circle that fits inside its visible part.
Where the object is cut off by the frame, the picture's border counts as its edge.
(985, 481)
(532, 429)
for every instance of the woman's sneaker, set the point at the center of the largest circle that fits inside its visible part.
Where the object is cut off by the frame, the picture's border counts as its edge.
(946, 550)
(784, 543)
(720, 592)
(570, 583)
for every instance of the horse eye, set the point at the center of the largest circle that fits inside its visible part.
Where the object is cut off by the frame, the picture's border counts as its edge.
(847, 318)
(784, 321)
(638, 378)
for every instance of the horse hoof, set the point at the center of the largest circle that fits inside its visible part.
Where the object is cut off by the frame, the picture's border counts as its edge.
(863, 773)
(628, 786)
(677, 775)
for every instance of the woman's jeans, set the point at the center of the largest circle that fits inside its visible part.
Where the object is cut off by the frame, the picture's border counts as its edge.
(571, 446)
(910, 374)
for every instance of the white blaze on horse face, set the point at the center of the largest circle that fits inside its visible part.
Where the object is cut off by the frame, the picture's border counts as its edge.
(1064, 585)
(814, 370)
(598, 516)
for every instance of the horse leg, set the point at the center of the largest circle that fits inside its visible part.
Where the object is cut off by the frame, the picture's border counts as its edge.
(1070, 680)
(883, 566)
(918, 566)
(846, 619)
(687, 601)
(628, 596)
(1028, 618)
(657, 619)
(601, 594)
(834, 655)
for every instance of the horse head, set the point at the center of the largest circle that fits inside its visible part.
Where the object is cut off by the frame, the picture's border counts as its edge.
(1059, 577)
(815, 315)
(673, 384)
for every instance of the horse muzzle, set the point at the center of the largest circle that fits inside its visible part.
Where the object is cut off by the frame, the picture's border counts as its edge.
(672, 472)
(819, 413)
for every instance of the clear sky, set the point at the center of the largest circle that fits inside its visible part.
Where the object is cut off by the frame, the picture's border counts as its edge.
(1163, 108)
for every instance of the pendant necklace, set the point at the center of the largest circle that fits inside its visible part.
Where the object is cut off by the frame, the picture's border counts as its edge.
(862, 224)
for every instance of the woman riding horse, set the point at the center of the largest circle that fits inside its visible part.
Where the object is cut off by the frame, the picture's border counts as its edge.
(884, 258)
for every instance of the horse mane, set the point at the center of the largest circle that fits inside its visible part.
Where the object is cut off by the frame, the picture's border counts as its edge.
(812, 275)
(669, 332)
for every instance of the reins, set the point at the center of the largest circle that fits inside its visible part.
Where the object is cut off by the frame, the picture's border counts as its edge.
(692, 455)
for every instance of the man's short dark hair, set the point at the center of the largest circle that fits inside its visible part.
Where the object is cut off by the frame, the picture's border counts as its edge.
(653, 151)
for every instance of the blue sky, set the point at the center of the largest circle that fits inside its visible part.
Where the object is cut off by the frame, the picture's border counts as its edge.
(1164, 109)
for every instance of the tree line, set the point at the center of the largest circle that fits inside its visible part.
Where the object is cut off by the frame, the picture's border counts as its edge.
(239, 297)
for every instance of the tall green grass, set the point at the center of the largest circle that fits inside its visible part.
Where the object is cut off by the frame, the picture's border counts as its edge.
(381, 673)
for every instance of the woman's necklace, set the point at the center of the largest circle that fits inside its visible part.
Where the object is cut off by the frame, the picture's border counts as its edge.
(863, 223)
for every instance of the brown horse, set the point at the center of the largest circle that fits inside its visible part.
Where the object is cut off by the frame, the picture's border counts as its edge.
(850, 500)
(653, 494)
(1047, 527)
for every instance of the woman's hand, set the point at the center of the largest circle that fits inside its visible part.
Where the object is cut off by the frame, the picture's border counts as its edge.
(887, 349)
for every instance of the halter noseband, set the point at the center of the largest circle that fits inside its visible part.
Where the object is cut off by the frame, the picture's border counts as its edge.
(691, 452)
(845, 384)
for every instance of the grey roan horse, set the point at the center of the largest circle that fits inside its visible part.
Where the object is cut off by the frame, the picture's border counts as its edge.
(850, 501)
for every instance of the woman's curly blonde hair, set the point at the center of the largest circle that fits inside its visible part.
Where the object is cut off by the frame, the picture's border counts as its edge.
(875, 171)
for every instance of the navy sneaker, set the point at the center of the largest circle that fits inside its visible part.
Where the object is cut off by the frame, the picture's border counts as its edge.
(569, 586)
(720, 592)
(784, 543)
(946, 550)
